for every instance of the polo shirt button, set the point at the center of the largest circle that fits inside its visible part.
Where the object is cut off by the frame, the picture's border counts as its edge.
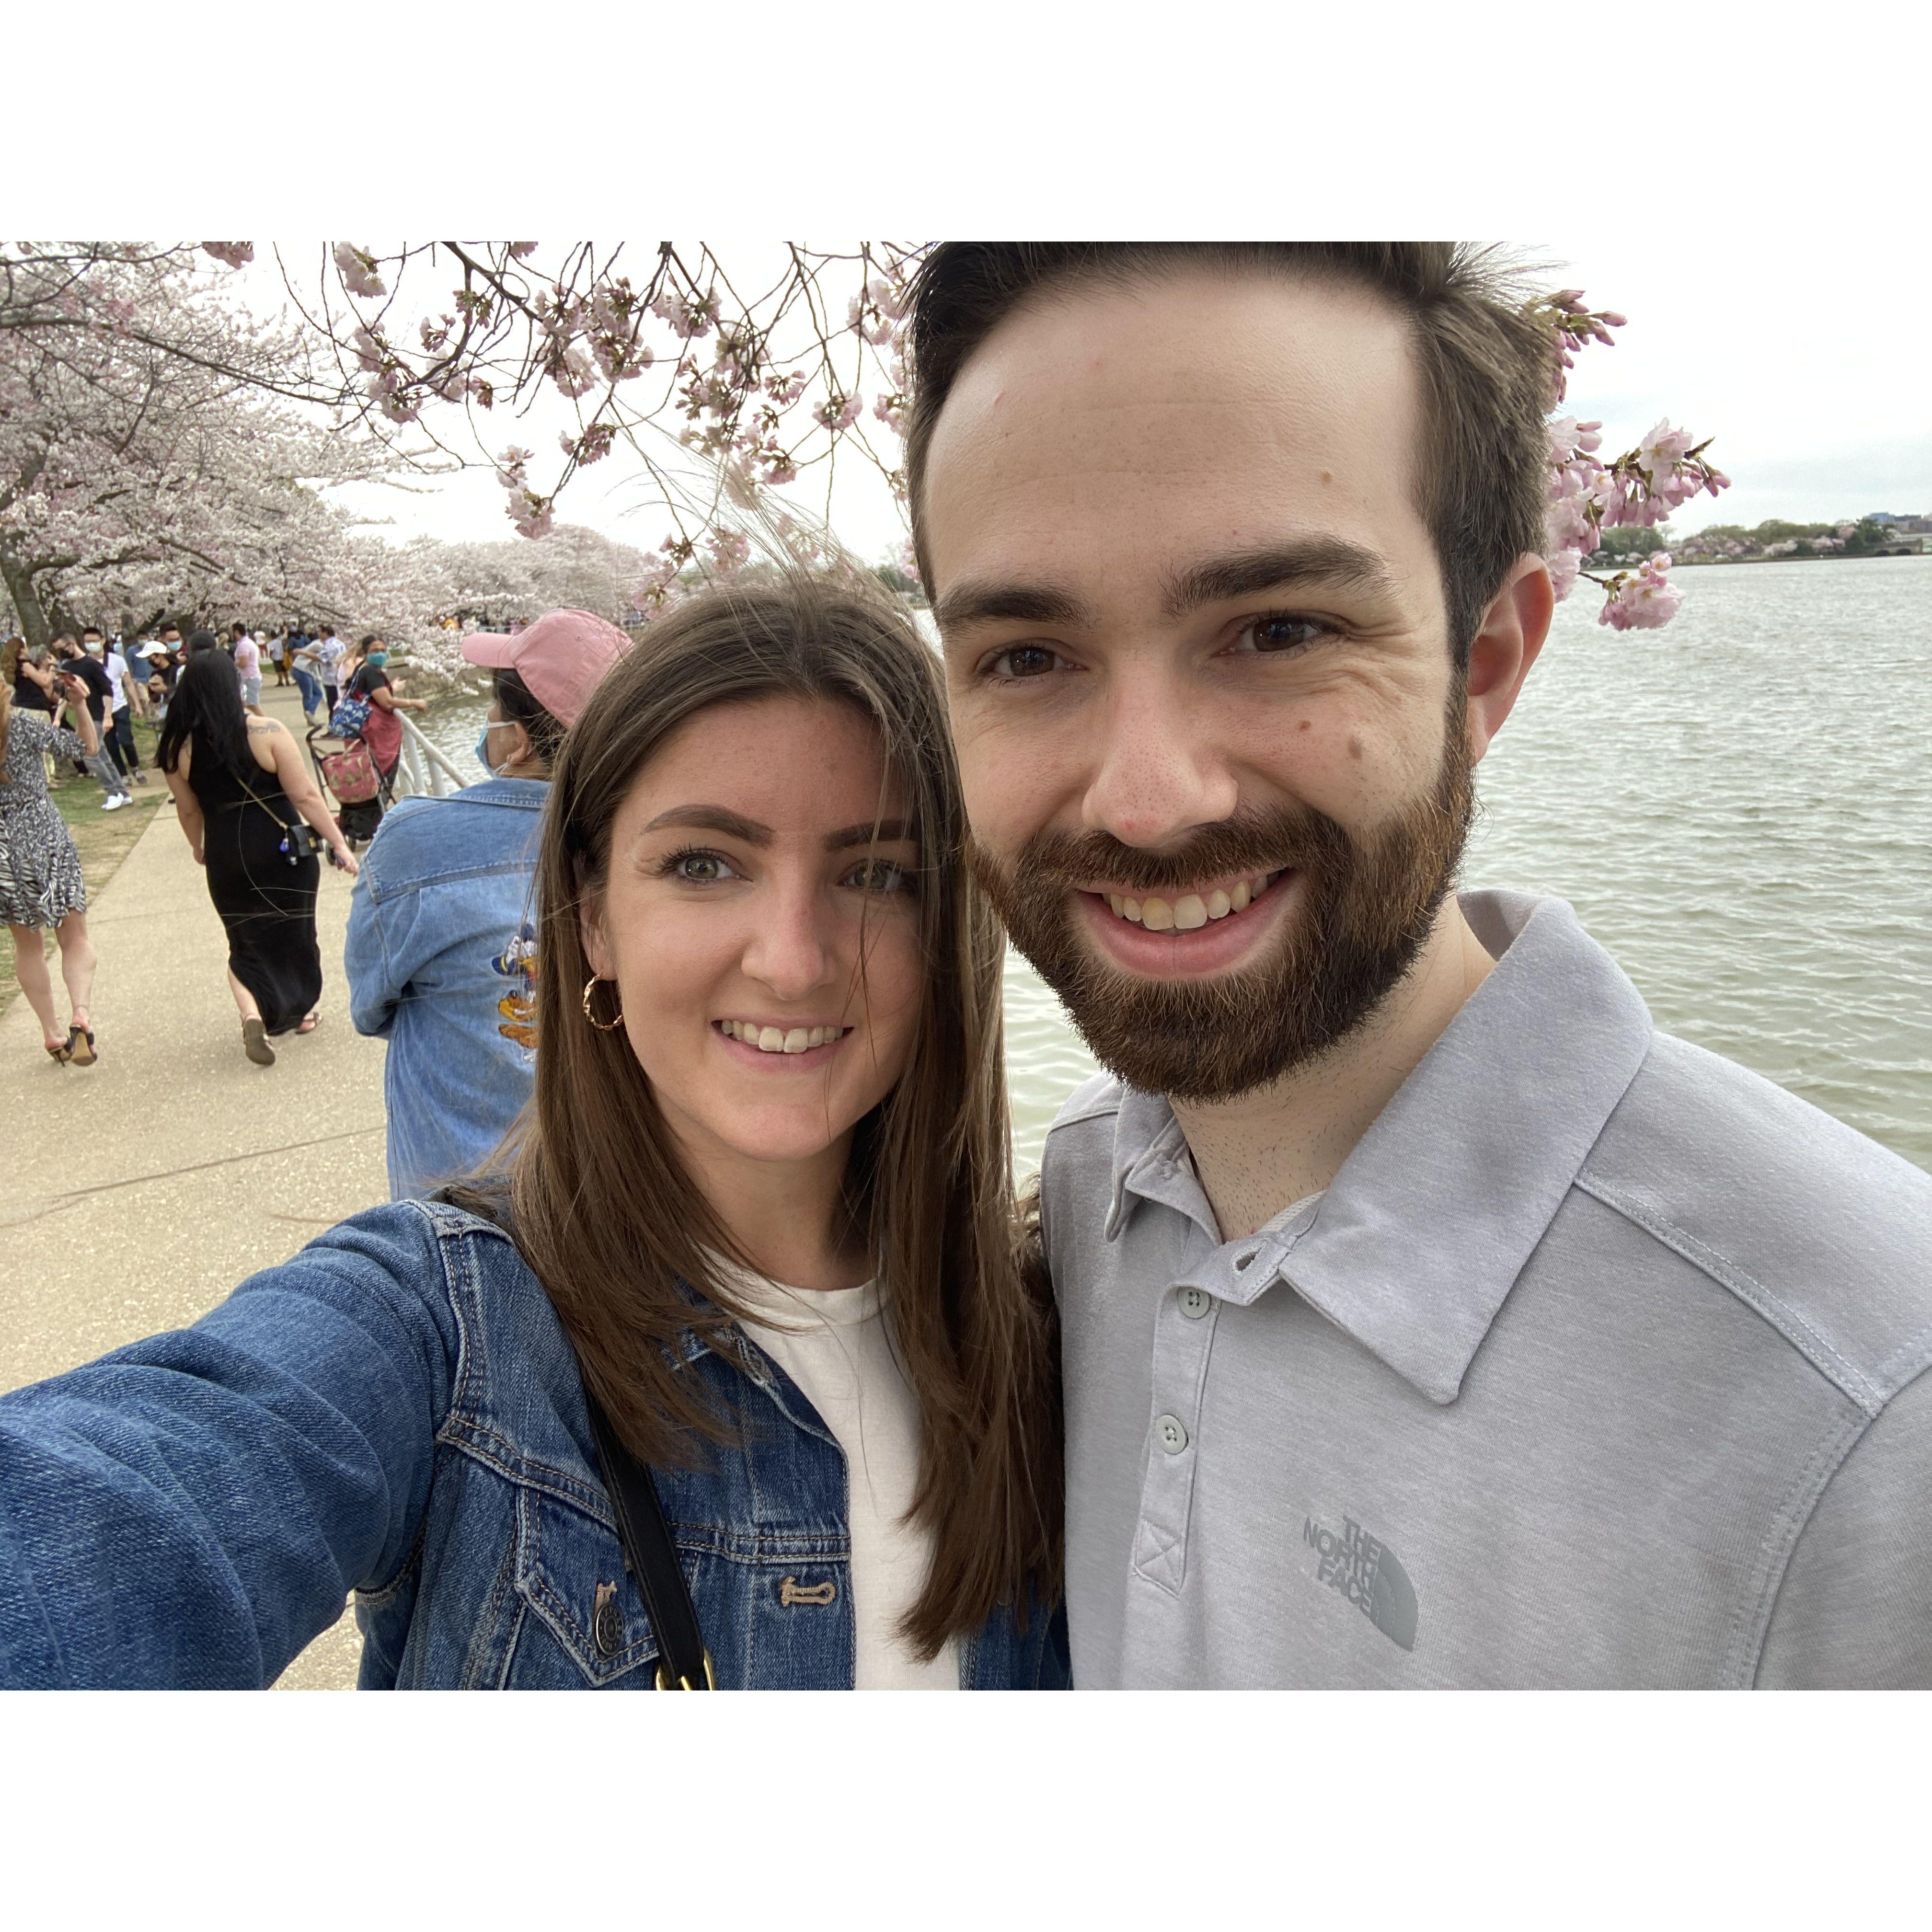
(1195, 1303)
(1172, 1434)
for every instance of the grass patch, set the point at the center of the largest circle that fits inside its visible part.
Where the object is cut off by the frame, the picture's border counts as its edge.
(102, 838)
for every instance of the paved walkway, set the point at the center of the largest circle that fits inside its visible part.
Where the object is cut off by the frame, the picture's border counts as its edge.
(140, 1190)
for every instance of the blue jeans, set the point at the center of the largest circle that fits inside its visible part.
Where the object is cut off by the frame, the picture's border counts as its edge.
(311, 692)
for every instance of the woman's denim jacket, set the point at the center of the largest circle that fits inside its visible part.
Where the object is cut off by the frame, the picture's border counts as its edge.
(397, 1411)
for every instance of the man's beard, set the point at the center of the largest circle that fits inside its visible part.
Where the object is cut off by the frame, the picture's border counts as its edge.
(1366, 909)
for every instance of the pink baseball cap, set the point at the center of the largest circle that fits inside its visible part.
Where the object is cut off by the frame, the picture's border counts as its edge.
(561, 657)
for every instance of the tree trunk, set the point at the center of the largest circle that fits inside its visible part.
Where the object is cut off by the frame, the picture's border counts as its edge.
(32, 618)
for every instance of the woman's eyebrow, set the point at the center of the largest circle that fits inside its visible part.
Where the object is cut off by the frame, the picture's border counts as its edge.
(713, 818)
(885, 831)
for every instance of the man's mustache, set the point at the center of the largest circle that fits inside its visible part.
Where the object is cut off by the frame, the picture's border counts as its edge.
(1278, 840)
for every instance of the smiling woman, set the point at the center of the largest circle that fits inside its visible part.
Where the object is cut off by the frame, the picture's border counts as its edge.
(755, 1233)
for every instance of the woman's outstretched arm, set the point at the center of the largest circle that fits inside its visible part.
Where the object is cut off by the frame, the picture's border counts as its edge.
(192, 1510)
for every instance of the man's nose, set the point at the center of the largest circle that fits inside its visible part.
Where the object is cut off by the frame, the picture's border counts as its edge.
(1160, 770)
(793, 946)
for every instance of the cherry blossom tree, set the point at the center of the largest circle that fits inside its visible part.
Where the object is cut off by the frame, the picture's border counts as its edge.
(769, 383)
(738, 384)
(148, 463)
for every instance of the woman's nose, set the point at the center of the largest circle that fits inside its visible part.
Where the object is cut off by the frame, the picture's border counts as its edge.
(793, 945)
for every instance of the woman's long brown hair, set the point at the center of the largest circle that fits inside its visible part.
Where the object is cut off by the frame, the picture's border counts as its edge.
(603, 1208)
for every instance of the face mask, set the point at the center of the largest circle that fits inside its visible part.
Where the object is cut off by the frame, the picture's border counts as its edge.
(483, 749)
(377, 659)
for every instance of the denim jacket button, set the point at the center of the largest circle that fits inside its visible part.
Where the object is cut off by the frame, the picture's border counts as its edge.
(607, 1626)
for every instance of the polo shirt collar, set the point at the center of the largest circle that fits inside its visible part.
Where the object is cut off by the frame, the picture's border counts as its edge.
(1422, 1233)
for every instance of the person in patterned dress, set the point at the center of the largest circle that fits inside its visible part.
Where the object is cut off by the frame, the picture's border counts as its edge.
(40, 882)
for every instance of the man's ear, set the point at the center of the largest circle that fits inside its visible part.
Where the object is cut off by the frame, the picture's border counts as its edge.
(590, 930)
(1505, 645)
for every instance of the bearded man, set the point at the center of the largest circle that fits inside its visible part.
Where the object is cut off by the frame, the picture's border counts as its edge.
(1429, 1319)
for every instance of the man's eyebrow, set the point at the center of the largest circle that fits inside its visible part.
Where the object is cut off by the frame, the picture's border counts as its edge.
(1242, 573)
(713, 818)
(887, 832)
(987, 603)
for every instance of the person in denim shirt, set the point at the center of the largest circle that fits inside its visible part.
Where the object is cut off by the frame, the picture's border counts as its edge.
(442, 954)
(770, 1019)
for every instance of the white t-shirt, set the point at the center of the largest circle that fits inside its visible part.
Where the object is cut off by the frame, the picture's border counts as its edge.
(833, 1343)
(117, 669)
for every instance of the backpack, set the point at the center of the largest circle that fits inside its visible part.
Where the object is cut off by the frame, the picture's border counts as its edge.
(348, 717)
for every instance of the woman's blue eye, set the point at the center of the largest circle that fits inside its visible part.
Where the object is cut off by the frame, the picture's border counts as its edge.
(880, 875)
(698, 869)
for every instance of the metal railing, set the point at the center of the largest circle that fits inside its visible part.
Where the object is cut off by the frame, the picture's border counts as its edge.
(422, 771)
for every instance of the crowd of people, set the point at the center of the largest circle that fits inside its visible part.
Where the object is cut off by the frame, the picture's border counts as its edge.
(250, 809)
(1400, 1308)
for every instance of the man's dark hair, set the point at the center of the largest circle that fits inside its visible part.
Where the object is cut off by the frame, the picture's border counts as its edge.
(93, 631)
(1487, 367)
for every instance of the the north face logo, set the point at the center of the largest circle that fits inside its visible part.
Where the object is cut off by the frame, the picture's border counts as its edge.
(1354, 1563)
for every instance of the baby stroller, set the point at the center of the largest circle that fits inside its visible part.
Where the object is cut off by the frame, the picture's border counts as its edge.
(349, 778)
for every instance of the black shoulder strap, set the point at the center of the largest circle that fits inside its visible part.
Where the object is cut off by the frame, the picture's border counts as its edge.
(682, 1660)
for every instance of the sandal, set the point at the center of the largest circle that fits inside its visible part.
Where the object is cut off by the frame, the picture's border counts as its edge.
(255, 1043)
(310, 1022)
(80, 1046)
(58, 1050)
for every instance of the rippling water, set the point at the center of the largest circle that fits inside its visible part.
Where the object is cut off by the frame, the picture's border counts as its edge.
(1739, 808)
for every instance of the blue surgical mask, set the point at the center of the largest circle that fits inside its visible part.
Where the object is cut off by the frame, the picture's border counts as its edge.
(483, 749)
(377, 659)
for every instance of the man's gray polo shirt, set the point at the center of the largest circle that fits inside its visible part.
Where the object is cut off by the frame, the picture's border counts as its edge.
(1600, 1363)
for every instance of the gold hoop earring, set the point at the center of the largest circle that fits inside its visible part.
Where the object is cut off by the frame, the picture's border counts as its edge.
(590, 986)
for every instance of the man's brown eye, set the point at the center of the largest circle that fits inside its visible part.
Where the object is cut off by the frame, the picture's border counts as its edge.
(1024, 660)
(1282, 633)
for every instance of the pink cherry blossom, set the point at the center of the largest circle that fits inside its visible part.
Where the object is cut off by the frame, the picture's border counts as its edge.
(233, 254)
(358, 269)
(1644, 599)
(839, 412)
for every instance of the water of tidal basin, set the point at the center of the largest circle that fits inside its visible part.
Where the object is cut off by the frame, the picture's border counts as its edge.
(1739, 807)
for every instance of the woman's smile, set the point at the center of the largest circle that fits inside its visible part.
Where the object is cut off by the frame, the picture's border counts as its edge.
(788, 1044)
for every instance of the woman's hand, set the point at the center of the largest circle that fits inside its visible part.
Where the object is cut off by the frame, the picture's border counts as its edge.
(347, 860)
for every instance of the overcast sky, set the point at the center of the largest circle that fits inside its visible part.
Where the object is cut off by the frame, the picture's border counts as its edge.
(1801, 359)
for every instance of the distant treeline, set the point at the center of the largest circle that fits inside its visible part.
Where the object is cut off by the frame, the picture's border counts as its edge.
(1862, 539)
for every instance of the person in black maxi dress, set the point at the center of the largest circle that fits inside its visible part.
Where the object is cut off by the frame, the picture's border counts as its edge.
(245, 821)
(267, 904)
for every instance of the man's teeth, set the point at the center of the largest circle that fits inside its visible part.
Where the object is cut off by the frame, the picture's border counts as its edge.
(1190, 909)
(779, 1039)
